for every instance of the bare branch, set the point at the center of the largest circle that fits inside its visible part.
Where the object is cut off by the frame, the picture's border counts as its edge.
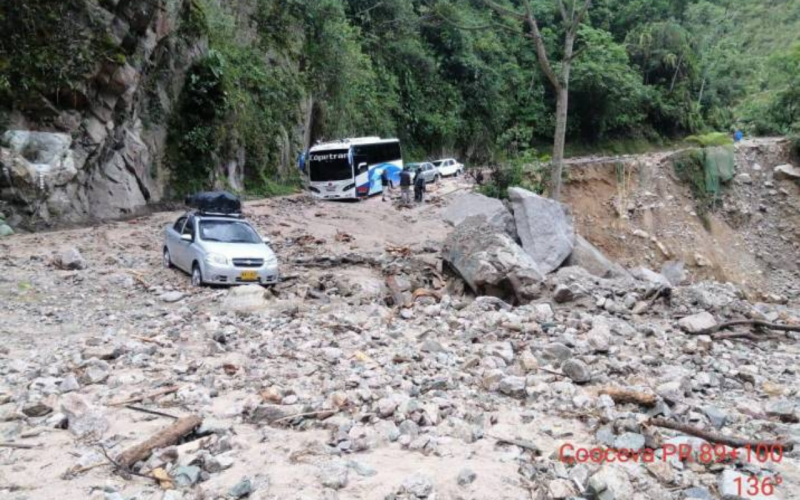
(563, 11)
(505, 11)
(541, 50)
(581, 14)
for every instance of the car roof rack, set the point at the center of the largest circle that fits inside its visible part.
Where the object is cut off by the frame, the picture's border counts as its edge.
(209, 213)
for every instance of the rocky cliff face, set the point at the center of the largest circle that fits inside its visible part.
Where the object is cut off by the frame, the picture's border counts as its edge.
(96, 151)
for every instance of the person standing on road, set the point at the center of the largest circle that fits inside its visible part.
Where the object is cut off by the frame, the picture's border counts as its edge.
(387, 185)
(405, 186)
(419, 186)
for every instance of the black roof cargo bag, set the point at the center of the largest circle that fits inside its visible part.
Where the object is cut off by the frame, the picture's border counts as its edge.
(215, 202)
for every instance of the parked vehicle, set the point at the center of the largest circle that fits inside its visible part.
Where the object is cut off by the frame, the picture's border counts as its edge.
(448, 167)
(426, 170)
(352, 168)
(219, 247)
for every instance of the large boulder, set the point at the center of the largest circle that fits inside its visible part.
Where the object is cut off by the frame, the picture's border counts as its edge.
(786, 172)
(587, 256)
(246, 299)
(545, 228)
(474, 204)
(490, 262)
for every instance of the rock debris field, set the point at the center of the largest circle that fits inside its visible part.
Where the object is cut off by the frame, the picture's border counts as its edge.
(401, 357)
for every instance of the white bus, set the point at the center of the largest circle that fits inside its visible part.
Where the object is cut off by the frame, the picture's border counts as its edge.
(351, 168)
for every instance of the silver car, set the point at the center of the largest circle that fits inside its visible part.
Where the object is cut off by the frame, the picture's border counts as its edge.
(426, 170)
(219, 250)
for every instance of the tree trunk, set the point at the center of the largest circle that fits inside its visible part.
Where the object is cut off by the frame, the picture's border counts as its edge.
(562, 105)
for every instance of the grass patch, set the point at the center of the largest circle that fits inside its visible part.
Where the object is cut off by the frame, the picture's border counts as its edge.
(710, 140)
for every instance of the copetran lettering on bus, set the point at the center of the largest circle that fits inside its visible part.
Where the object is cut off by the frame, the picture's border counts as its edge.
(328, 157)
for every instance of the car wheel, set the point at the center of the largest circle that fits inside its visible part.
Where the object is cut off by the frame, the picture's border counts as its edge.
(167, 259)
(197, 276)
(436, 179)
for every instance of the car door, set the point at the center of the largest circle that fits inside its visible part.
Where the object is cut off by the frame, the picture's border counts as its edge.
(173, 235)
(184, 250)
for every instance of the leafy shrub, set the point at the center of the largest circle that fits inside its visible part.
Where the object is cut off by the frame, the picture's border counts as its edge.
(710, 140)
(526, 171)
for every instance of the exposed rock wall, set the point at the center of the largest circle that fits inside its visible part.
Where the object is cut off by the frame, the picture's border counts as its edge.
(99, 154)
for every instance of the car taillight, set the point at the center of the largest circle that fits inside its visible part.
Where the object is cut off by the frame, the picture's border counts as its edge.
(363, 189)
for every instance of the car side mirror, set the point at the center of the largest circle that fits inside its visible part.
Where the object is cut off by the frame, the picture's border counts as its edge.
(266, 241)
(362, 167)
(186, 237)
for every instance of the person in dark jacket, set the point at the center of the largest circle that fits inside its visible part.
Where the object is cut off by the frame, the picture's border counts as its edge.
(387, 185)
(405, 186)
(419, 186)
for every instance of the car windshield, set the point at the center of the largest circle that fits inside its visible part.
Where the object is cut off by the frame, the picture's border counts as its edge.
(227, 231)
(438, 163)
(413, 166)
(330, 166)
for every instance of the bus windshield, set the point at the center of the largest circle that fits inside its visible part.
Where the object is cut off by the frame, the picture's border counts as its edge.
(330, 166)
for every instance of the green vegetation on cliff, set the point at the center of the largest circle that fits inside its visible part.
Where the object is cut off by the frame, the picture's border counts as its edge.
(443, 75)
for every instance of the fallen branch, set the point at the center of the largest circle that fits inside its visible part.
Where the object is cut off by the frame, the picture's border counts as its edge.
(165, 437)
(424, 292)
(150, 412)
(138, 399)
(151, 340)
(121, 467)
(20, 446)
(749, 322)
(526, 445)
(713, 437)
(624, 396)
(322, 414)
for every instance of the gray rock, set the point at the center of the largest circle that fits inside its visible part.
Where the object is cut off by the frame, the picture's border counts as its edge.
(560, 489)
(466, 477)
(563, 293)
(513, 386)
(241, 489)
(490, 209)
(599, 337)
(545, 228)
(587, 256)
(729, 487)
(173, 296)
(783, 408)
(648, 276)
(83, 419)
(717, 417)
(611, 483)
(187, 475)
(71, 259)
(37, 409)
(786, 172)
(576, 370)
(556, 352)
(674, 272)
(697, 493)
(630, 441)
(361, 469)
(246, 299)
(697, 322)
(491, 263)
(334, 475)
(417, 485)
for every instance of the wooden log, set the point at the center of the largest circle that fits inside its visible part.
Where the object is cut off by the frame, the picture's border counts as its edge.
(713, 437)
(623, 396)
(161, 439)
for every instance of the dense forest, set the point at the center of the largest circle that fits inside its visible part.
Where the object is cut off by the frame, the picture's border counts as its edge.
(456, 76)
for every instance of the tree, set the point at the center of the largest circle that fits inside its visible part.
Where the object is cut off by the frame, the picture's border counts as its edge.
(572, 13)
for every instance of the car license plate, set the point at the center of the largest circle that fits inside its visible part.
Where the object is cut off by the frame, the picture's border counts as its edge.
(249, 276)
(330, 188)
